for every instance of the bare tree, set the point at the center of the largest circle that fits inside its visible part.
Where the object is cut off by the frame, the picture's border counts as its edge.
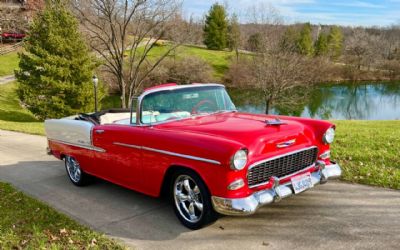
(123, 33)
(273, 71)
(277, 73)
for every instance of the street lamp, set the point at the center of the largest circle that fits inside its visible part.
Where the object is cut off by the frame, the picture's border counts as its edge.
(95, 81)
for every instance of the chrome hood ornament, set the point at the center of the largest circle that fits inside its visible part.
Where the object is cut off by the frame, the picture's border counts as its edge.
(286, 143)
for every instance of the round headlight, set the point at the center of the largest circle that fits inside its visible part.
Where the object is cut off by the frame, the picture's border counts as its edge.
(239, 160)
(329, 136)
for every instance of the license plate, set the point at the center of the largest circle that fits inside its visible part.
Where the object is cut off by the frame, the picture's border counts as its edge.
(301, 183)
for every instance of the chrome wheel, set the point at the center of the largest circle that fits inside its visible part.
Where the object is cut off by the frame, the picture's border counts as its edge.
(188, 198)
(73, 169)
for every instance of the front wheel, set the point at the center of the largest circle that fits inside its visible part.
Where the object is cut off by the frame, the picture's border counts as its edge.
(191, 200)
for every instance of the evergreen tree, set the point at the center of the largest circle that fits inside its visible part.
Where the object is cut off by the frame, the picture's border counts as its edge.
(234, 35)
(321, 45)
(335, 42)
(305, 42)
(254, 42)
(215, 29)
(56, 68)
(289, 40)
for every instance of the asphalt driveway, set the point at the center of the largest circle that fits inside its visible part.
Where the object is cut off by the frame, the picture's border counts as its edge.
(332, 216)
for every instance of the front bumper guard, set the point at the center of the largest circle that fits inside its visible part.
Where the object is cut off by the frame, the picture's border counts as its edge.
(250, 204)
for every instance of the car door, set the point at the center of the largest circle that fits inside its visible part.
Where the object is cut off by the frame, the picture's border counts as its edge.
(121, 160)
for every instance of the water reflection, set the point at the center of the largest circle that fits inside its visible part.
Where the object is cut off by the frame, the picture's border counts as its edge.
(365, 101)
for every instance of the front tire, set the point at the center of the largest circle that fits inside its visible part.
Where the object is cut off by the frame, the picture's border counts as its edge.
(74, 171)
(191, 200)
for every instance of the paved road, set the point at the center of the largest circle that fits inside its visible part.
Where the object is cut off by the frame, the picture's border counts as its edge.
(333, 216)
(6, 79)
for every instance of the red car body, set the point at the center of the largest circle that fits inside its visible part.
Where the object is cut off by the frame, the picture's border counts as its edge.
(142, 157)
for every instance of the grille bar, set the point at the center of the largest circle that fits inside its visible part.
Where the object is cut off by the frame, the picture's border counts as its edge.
(281, 166)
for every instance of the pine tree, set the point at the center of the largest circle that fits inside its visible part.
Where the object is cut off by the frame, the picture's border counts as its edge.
(289, 40)
(234, 35)
(321, 45)
(305, 42)
(335, 42)
(215, 29)
(56, 68)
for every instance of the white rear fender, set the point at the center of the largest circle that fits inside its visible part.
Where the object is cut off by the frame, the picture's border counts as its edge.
(69, 131)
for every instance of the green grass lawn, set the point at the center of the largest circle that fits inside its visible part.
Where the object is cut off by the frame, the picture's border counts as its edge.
(8, 63)
(368, 152)
(26, 223)
(12, 116)
(218, 60)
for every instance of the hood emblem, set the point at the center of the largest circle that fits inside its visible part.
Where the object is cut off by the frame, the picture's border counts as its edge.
(286, 143)
(275, 122)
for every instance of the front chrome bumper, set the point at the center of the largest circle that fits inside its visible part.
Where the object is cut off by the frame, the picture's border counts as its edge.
(250, 204)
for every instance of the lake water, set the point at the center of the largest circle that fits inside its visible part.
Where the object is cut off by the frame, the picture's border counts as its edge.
(358, 101)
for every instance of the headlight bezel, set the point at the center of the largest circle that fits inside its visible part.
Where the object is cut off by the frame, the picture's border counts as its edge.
(329, 135)
(239, 159)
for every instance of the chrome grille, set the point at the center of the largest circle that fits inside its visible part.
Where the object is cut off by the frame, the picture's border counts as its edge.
(281, 166)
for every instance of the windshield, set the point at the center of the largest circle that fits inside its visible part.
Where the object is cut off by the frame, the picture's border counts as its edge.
(183, 103)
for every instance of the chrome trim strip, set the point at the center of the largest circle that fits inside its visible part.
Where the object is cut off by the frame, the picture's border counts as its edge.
(183, 156)
(127, 145)
(168, 153)
(97, 149)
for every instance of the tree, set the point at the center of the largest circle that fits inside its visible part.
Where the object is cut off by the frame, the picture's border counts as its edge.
(321, 45)
(277, 73)
(335, 42)
(234, 35)
(215, 28)
(305, 41)
(123, 33)
(254, 42)
(56, 68)
(289, 40)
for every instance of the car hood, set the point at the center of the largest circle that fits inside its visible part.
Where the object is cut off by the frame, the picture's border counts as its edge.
(250, 130)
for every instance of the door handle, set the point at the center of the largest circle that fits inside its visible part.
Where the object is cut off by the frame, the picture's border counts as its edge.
(99, 131)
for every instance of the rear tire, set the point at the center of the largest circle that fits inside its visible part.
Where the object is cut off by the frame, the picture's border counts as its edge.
(75, 173)
(191, 200)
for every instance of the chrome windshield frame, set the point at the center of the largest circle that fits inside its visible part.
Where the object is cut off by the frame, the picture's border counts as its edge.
(166, 88)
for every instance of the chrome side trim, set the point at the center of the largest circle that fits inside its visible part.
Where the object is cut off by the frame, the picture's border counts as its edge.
(183, 155)
(97, 149)
(127, 145)
(191, 157)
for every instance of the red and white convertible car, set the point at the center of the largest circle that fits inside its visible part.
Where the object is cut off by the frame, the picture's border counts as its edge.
(188, 141)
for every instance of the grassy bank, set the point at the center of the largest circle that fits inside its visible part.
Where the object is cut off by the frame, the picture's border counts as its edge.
(12, 116)
(368, 152)
(8, 63)
(26, 223)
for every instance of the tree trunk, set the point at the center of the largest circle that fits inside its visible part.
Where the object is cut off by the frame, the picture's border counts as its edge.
(123, 94)
(267, 106)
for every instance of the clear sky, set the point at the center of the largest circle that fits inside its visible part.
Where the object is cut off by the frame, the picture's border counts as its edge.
(343, 12)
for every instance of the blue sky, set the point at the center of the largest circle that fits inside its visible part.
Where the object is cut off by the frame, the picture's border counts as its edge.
(343, 12)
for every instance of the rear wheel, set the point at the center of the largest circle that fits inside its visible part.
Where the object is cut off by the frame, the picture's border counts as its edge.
(191, 200)
(74, 171)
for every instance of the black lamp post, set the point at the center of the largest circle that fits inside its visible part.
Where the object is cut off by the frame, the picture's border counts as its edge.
(95, 81)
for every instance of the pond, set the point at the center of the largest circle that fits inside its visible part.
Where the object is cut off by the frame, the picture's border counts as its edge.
(357, 101)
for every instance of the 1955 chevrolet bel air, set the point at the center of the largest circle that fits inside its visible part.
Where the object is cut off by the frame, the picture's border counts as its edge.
(190, 143)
